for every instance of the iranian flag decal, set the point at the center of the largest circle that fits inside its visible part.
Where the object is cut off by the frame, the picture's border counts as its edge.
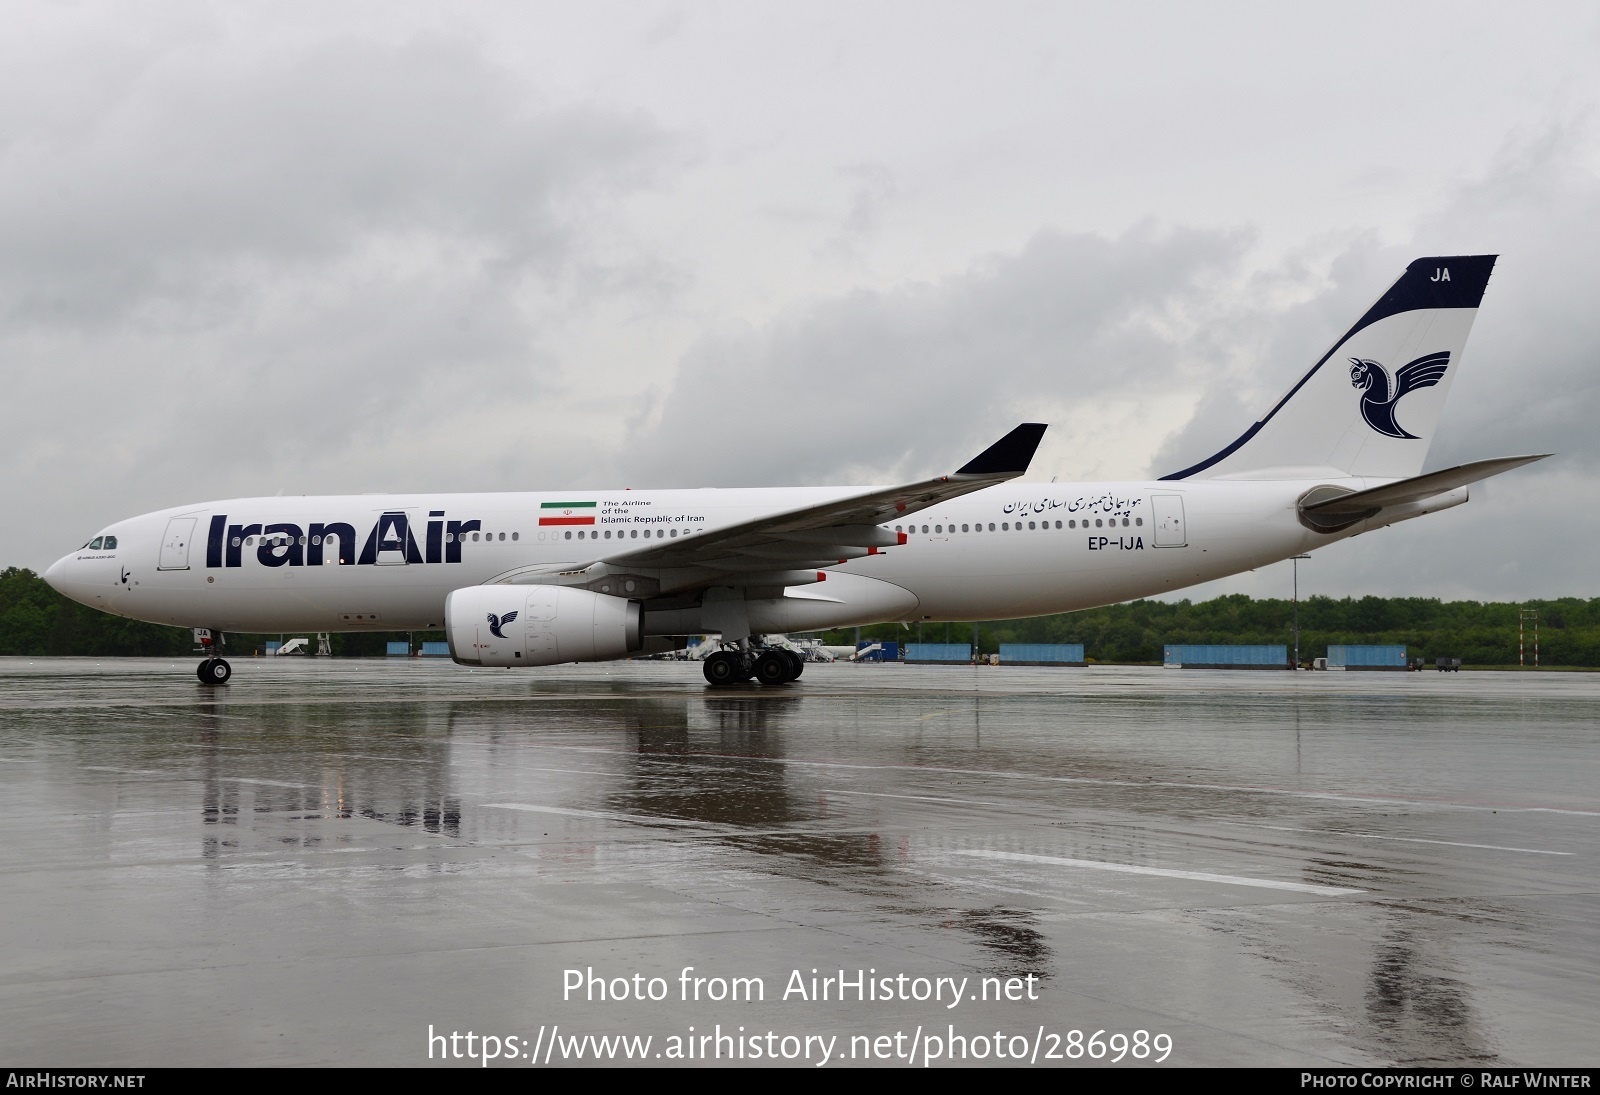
(566, 513)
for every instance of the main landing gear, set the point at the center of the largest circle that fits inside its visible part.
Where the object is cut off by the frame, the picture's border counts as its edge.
(772, 666)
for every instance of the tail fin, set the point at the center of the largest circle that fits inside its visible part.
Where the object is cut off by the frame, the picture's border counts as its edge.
(1346, 414)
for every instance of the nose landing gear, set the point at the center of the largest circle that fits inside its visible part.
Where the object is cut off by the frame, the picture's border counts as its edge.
(214, 670)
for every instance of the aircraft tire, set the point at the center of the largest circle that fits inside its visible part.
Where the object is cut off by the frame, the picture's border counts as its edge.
(797, 665)
(774, 667)
(722, 669)
(214, 671)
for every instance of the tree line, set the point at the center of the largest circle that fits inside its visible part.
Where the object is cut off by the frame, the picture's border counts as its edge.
(35, 620)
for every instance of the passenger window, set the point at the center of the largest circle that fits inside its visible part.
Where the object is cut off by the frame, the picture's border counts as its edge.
(674, 532)
(963, 528)
(1138, 520)
(580, 534)
(516, 535)
(1032, 525)
(569, 535)
(235, 542)
(634, 533)
(1058, 524)
(249, 541)
(608, 534)
(502, 536)
(474, 537)
(897, 528)
(938, 528)
(1098, 523)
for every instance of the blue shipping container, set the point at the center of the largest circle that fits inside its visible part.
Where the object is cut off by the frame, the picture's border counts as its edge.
(939, 653)
(1223, 656)
(435, 650)
(1366, 657)
(1041, 654)
(400, 650)
(272, 647)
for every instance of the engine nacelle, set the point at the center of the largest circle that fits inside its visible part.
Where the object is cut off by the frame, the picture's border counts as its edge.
(540, 625)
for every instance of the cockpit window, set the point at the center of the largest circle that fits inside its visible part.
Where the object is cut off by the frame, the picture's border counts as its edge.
(111, 543)
(94, 545)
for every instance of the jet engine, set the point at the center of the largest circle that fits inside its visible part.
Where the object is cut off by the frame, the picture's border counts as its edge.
(540, 625)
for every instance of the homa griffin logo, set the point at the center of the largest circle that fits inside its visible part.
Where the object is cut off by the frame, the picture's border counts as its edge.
(497, 622)
(1378, 400)
(391, 540)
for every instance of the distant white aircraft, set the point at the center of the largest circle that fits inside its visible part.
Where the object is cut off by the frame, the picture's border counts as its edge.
(533, 579)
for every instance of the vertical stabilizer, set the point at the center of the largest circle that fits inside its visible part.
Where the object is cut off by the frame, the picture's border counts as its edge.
(1369, 407)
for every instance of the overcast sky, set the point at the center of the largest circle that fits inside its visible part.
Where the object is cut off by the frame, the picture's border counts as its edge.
(363, 247)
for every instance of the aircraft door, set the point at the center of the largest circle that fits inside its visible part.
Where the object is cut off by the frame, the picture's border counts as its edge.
(1166, 510)
(175, 544)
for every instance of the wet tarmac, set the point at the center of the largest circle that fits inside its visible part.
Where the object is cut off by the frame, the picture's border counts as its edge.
(324, 861)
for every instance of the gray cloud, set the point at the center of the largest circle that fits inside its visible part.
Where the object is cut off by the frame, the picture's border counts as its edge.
(237, 264)
(885, 382)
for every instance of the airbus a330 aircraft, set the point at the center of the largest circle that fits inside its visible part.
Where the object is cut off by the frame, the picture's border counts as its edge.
(534, 579)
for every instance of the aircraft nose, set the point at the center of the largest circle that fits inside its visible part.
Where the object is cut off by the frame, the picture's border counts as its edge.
(57, 573)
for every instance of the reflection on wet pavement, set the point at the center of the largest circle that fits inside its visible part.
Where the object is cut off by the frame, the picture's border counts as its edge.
(320, 860)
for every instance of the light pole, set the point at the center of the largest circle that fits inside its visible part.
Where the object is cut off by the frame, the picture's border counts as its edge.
(1295, 560)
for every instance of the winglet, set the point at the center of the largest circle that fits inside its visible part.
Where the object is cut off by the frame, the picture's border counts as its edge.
(1010, 455)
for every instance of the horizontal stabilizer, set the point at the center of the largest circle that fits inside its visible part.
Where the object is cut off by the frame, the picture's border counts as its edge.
(1008, 456)
(1364, 502)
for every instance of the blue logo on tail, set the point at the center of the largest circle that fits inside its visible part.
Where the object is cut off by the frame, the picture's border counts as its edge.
(1377, 402)
(497, 622)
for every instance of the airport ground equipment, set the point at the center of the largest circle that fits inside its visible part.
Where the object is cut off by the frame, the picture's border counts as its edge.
(876, 652)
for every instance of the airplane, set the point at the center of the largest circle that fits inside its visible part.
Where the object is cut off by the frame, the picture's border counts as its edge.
(541, 578)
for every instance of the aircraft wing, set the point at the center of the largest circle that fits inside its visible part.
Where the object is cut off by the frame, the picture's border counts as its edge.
(1366, 502)
(762, 551)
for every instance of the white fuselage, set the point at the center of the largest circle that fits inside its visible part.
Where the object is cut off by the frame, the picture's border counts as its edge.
(1014, 550)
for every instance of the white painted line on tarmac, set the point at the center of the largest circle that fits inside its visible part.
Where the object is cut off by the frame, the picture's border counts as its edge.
(910, 798)
(598, 815)
(1165, 872)
(1404, 839)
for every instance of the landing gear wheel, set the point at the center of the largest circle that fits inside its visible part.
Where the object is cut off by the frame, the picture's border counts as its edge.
(214, 671)
(724, 668)
(798, 663)
(774, 667)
